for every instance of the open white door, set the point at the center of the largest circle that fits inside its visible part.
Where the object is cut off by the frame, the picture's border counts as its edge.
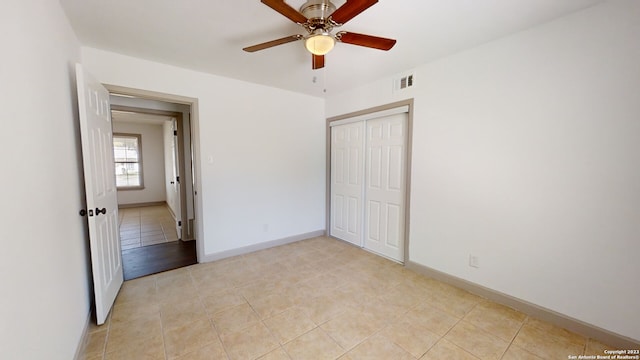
(102, 202)
(172, 173)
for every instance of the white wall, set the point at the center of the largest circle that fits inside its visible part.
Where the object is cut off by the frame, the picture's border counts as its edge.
(261, 150)
(152, 163)
(526, 154)
(43, 263)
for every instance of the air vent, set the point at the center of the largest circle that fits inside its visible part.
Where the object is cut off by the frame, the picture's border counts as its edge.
(403, 81)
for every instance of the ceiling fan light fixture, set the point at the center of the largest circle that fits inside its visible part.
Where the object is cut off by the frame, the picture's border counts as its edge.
(319, 18)
(319, 43)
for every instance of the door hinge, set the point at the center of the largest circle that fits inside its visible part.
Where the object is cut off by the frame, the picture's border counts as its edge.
(179, 223)
(178, 178)
(175, 132)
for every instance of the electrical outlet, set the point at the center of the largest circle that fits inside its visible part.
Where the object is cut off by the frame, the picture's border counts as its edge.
(473, 261)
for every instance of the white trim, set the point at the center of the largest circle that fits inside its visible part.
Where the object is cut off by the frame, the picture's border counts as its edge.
(260, 246)
(83, 339)
(533, 310)
(371, 116)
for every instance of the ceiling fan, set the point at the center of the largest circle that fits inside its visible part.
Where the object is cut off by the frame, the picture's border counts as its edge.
(319, 18)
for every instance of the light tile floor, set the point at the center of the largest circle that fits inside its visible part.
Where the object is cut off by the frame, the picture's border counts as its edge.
(316, 299)
(143, 226)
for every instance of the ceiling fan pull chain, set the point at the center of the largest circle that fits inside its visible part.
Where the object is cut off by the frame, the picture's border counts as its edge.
(324, 80)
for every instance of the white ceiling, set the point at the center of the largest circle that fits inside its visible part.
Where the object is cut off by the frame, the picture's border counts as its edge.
(208, 35)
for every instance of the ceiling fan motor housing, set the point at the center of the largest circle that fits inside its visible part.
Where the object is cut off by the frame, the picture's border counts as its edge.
(317, 9)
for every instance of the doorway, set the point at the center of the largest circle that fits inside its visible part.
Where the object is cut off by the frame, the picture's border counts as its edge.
(157, 214)
(369, 161)
(150, 244)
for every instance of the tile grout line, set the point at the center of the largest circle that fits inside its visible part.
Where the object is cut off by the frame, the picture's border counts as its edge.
(514, 337)
(164, 345)
(263, 324)
(586, 345)
(106, 340)
(448, 331)
(210, 320)
(390, 323)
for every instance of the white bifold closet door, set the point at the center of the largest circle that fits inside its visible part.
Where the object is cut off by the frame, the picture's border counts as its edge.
(385, 186)
(347, 175)
(368, 183)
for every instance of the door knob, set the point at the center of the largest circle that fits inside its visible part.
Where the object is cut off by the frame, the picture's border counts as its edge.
(83, 212)
(101, 211)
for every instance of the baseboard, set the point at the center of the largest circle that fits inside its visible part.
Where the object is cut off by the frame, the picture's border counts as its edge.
(83, 338)
(533, 310)
(173, 214)
(153, 203)
(261, 246)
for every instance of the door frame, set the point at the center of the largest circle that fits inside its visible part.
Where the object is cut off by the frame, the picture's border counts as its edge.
(409, 141)
(195, 149)
(181, 167)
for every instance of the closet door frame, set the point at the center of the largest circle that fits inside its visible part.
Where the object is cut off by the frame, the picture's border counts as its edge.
(363, 114)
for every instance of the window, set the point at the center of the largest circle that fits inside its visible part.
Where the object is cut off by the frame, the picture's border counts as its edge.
(127, 154)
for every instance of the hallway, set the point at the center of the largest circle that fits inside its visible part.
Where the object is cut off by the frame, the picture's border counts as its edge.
(150, 242)
(148, 225)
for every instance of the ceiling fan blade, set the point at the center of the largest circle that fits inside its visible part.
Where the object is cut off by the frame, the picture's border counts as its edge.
(317, 61)
(365, 40)
(350, 10)
(286, 10)
(273, 43)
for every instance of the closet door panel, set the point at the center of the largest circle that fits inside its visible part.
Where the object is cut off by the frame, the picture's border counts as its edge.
(347, 178)
(385, 185)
